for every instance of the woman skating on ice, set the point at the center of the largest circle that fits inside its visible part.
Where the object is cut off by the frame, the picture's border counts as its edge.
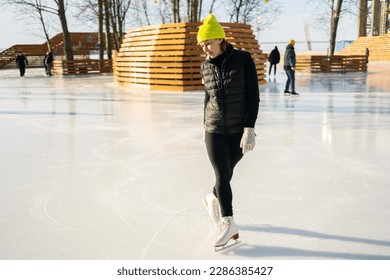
(230, 111)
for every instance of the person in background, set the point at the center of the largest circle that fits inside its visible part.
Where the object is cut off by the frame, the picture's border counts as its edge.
(230, 111)
(274, 59)
(48, 62)
(44, 62)
(289, 67)
(22, 62)
(367, 54)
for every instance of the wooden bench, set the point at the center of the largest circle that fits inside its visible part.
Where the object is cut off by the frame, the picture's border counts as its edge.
(80, 67)
(334, 64)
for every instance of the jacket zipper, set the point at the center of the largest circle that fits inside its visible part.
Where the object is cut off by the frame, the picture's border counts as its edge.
(223, 97)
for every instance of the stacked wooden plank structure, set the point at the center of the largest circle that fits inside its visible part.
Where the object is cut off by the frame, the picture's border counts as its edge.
(378, 46)
(166, 57)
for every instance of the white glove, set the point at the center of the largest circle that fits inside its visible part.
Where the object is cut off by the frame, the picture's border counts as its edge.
(293, 68)
(248, 140)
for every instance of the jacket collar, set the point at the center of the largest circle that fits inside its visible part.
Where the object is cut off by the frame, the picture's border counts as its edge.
(228, 51)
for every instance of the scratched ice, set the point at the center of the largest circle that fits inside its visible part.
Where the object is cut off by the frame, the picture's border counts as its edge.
(93, 171)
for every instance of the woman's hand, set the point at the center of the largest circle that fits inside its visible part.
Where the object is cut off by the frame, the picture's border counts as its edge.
(248, 140)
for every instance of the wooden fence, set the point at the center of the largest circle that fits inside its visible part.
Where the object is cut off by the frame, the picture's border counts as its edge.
(334, 64)
(166, 57)
(82, 44)
(80, 67)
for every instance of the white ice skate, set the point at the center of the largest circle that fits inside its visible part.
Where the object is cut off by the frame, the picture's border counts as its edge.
(228, 230)
(212, 207)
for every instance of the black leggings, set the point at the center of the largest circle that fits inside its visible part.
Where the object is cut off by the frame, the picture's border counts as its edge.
(270, 69)
(224, 153)
(22, 71)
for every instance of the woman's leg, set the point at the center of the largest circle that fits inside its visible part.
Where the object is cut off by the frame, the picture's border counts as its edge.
(224, 153)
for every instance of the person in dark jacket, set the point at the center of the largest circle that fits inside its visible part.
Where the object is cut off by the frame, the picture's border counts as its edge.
(230, 111)
(48, 63)
(273, 58)
(289, 67)
(21, 61)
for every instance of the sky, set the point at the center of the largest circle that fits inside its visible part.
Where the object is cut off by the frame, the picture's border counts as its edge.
(289, 25)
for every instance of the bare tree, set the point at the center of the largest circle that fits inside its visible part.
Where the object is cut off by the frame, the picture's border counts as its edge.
(34, 9)
(164, 10)
(211, 6)
(200, 9)
(260, 14)
(362, 22)
(111, 16)
(141, 12)
(107, 17)
(328, 14)
(39, 7)
(61, 11)
(193, 10)
(100, 25)
(117, 11)
(94, 11)
(334, 22)
(176, 10)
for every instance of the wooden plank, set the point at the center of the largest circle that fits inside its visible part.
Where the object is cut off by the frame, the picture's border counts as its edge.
(163, 58)
(158, 70)
(141, 81)
(167, 77)
(175, 53)
(167, 55)
(180, 42)
(130, 63)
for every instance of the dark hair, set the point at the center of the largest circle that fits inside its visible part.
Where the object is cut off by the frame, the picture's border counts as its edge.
(223, 45)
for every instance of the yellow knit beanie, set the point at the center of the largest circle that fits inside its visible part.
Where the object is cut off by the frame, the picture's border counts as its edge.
(210, 29)
(291, 42)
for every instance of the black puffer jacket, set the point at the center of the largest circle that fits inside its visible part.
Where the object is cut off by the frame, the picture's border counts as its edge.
(274, 56)
(232, 92)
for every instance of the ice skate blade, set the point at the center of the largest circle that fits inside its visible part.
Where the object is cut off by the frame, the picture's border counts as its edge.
(234, 237)
(227, 246)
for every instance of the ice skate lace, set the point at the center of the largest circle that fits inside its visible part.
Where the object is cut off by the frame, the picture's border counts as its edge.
(223, 226)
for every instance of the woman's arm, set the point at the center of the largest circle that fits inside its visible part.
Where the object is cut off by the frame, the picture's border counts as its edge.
(252, 91)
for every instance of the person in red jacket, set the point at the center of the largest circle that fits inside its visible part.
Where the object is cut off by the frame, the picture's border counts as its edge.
(230, 111)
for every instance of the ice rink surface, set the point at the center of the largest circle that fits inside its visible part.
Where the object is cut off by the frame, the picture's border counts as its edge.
(90, 170)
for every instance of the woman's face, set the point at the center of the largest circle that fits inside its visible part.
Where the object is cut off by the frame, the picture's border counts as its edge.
(212, 47)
